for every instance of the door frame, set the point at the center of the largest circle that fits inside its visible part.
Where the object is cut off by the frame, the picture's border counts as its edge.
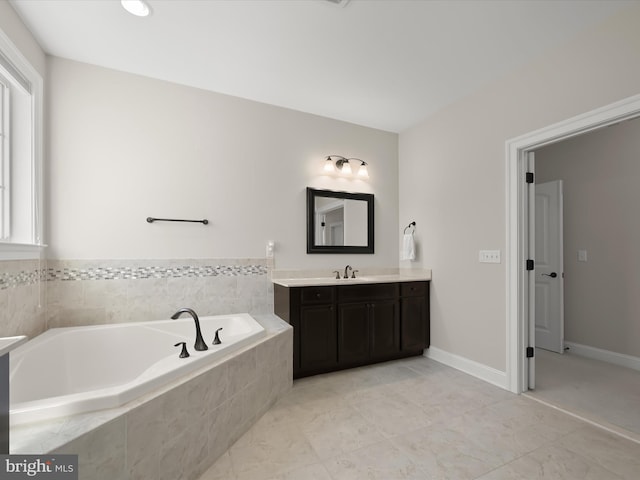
(521, 227)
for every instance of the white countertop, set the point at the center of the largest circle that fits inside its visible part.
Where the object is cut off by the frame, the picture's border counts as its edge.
(9, 343)
(321, 281)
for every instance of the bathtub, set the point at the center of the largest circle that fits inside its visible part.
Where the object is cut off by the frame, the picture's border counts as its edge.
(66, 371)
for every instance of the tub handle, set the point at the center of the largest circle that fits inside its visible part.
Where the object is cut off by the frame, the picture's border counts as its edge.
(216, 340)
(184, 353)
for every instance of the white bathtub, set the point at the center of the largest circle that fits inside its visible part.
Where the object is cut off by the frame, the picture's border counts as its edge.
(66, 371)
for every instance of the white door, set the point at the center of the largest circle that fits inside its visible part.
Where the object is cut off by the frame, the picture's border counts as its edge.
(549, 289)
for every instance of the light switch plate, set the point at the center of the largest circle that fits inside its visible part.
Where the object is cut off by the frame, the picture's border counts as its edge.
(582, 255)
(489, 256)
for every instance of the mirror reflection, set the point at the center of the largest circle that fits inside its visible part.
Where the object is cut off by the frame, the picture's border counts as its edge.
(339, 222)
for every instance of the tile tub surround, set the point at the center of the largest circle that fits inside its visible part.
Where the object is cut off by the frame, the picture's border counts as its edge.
(22, 298)
(92, 292)
(179, 430)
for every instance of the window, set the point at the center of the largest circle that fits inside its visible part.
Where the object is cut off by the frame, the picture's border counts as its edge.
(20, 155)
(4, 160)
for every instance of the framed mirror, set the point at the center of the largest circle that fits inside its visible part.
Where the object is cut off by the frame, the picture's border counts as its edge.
(339, 222)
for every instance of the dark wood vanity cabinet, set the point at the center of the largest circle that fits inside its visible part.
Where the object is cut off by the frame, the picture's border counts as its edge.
(414, 308)
(345, 326)
(317, 331)
(368, 323)
(353, 333)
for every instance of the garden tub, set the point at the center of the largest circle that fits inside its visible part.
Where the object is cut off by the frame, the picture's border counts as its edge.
(66, 371)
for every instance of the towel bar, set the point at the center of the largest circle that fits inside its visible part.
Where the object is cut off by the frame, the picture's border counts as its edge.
(152, 219)
(412, 224)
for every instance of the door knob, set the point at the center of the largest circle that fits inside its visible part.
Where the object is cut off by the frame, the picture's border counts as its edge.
(552, 274)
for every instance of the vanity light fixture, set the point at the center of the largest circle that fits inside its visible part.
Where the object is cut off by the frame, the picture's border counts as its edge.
(362, 171)
(342, 165)
(329, 166)
(139, 8)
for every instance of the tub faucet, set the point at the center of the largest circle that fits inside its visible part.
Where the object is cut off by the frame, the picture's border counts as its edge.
(200, 344)
(346, 271)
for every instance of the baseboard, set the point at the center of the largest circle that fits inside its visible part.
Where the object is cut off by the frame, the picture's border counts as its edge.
(620, 359)
(479, 370)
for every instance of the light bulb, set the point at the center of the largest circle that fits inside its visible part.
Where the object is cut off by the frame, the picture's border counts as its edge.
(346, 168)
(136, 7)
(328, 165)
(362, 171)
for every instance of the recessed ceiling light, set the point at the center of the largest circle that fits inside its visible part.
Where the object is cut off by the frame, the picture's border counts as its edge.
(136, 7)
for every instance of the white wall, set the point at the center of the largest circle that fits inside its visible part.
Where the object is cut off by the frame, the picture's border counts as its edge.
(125, 147)
(12, 26)
(600, 173)
(355, 222)
(452, 176)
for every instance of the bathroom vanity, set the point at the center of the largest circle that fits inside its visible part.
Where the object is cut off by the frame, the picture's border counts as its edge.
(346, 323)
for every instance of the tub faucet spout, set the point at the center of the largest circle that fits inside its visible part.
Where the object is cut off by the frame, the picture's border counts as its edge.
(200, 343)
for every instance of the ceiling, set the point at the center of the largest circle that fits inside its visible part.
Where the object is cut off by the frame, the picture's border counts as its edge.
(386, 64)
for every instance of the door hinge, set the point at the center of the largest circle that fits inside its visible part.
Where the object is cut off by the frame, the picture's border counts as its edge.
(530, 352)
(530, 264)
(529, 177)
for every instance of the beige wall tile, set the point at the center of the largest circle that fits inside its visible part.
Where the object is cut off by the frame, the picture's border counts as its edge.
(100, 452)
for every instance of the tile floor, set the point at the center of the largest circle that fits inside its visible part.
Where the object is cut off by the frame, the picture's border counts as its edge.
(600, 391)
(418, 419)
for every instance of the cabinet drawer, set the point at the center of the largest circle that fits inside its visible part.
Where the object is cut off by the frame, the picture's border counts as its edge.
(349, 293)
(316, 295)
(413, 289)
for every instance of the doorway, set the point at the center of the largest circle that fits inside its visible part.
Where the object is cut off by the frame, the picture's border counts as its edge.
(595, 377)
(520, 172)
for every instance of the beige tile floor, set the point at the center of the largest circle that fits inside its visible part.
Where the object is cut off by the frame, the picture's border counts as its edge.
(601, 392)
(418, 419)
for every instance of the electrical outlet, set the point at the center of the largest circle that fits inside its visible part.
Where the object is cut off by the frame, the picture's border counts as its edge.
(270, 248)
(489, 256)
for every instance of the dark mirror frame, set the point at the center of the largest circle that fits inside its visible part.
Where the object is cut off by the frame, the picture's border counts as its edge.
(311, 228)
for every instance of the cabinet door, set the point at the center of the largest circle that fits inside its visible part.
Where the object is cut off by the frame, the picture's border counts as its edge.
(385, 329)
(414, 323)
(353, 333)
(318, 342)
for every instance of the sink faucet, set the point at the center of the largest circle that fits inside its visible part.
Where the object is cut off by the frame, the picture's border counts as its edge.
(346, 271)
(200, 343)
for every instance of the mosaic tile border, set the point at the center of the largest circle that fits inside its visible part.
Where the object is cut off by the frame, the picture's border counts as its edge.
(20, 279)
(135, 273)
(24, 278)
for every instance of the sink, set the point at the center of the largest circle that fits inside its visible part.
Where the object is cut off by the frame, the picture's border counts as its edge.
(321, 281)
(332, 280)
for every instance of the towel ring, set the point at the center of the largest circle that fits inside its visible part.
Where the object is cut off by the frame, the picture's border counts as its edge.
(412, 224)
